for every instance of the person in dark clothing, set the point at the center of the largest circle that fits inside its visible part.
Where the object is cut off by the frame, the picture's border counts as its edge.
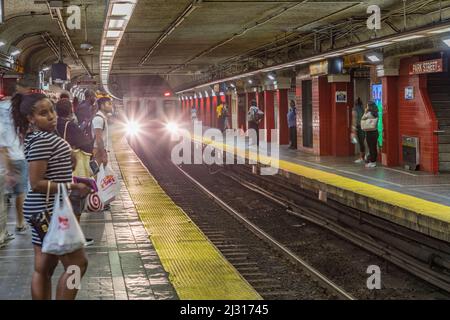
(369, 123)
(292, 124)
(68, 130)
(87, 109)
(358, 135)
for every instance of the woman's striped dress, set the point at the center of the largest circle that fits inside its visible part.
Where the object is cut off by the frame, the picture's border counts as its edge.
(40, 145)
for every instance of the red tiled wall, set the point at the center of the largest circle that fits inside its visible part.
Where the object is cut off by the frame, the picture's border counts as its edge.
(416, 117)
(324, 139)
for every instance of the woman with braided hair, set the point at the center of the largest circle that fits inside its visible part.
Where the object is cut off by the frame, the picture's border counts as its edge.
(50, 163)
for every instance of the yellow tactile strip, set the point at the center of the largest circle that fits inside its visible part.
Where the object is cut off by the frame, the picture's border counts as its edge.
(197, 270)
(420, 206)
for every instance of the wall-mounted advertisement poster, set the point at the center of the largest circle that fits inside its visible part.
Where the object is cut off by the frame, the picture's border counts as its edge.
(409, 93)
(341, 96)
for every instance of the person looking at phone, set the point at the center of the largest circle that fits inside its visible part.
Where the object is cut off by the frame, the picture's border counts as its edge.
(50, 163)
(100, 131)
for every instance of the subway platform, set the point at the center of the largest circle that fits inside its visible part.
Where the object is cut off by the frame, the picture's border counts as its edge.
(416, 200)
(145, 247)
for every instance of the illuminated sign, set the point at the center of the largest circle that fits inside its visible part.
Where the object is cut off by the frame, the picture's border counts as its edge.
(318, 68)
(429, 66)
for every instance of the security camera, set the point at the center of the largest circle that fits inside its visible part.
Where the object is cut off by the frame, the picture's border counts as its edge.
(86, 46)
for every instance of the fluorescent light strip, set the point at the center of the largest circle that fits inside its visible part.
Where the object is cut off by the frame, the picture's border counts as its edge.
(379, 44)
(122, 9)
(417, 36)
(439, 31)
(112, 34)
(116, 23)
(108, 48)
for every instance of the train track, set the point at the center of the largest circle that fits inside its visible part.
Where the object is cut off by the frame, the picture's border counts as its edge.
(311, 271)
(396, 248)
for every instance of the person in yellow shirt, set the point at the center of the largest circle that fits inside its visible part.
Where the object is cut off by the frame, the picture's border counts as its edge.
(219, 109)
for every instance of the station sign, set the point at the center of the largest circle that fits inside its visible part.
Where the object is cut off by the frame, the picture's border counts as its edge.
(429, 66)
(318, 68)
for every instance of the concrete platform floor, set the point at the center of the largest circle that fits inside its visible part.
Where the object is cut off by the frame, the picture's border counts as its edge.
(122, 262)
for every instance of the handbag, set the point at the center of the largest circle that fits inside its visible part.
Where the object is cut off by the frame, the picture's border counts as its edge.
(82, 168)
(41, 221)
(64, 233)
(369, 124)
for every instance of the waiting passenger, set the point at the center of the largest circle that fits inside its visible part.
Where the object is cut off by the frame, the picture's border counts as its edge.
(292, 124)
(358, 135)
(86, 110)
(16, 162)
(100, 131)
(193, 114)
(219, 109)
(369, 123)
(225, 116)
(254, 115)
(50, 163)
(69, 131)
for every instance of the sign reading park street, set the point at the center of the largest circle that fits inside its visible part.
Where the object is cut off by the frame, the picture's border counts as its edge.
(429, 66)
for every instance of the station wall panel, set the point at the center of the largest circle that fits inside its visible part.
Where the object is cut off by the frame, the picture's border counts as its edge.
(416, 116)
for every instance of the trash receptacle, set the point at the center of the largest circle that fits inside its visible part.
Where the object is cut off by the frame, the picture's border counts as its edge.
(410, 151)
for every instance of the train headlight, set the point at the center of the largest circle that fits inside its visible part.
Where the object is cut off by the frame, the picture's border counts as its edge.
(172, 127)
(133, 128)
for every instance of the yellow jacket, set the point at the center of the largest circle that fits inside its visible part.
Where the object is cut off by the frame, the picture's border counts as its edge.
(219, 110)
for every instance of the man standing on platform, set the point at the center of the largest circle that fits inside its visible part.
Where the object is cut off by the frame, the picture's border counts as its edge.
(292, 124)
(254, 117)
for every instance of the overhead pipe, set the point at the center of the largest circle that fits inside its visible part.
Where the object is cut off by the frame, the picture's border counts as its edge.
(63, 29)
(189, 9)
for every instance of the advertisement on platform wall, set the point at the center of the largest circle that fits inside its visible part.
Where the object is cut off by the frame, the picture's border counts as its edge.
(409, 93)
(341, 96)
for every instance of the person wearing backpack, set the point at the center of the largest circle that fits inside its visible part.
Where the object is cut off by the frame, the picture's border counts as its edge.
(100, 131)
(86, 110)
(225, 125)
(254, 116)
(369, 124)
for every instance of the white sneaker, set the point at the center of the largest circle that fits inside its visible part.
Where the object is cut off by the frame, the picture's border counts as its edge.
(371, 165)
(359, 161)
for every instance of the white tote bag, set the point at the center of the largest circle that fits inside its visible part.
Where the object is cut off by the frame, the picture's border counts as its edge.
(108, 184)
(64, 233)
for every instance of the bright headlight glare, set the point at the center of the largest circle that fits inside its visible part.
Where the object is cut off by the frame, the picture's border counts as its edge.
(172, 127)
(133, 128)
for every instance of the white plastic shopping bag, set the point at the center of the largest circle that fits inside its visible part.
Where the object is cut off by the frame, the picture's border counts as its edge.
(108, 184)
(64, 233)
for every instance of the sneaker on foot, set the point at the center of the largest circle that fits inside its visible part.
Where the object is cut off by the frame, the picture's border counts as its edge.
(371, 165)
(89, 242)
(22, 230)
(359, 161)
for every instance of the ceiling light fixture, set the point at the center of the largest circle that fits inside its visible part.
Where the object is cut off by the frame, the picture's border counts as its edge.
(446, 41)
(113, 34)
(373, 58)
(15, 53)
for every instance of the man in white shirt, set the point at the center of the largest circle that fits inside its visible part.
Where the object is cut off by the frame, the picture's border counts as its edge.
(100, 131)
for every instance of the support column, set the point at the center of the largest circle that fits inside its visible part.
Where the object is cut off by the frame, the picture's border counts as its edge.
(341, 120)
(283, 106)
(269, 115)
(261, 104)
(390, 149)
(214, 113)
(202, 111)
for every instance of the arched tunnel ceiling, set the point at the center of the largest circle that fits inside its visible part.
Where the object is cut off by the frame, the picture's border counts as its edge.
(26, 20)
(227, 35)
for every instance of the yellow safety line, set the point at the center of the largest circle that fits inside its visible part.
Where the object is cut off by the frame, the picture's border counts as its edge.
(197, 270)
(421, 206)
